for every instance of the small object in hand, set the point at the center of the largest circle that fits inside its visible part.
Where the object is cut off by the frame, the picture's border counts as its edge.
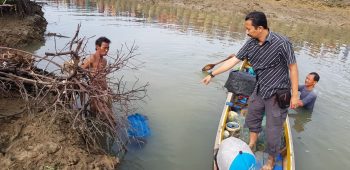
(211, 66)
(208, 67)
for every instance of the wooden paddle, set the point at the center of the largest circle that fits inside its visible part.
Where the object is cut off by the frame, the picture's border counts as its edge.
(211, 66)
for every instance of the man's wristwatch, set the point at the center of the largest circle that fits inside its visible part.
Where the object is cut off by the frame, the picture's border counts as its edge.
(211, 74)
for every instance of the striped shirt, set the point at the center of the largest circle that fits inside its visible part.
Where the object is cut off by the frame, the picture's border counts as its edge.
(270, 62)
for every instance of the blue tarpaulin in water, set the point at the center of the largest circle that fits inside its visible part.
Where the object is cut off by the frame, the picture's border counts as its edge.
(139, 127)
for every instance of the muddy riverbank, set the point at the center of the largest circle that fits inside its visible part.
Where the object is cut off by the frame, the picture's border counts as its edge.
(19, 31)
(326, 13)
(31, 139)
(43, 141)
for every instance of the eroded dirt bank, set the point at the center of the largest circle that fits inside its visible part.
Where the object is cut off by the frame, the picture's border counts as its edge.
(39, 140)
(43, 141)
(18, 31)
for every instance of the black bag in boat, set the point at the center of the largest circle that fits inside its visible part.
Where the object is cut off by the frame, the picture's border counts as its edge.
(241, 83)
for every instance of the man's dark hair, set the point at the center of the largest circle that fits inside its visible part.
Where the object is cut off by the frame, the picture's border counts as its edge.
(316, 76)
(100, 40)
(258, 19)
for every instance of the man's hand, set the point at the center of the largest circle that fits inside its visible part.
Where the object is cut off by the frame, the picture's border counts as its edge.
(294, 102)
(300, 103)
(226, 66)
(206, 80)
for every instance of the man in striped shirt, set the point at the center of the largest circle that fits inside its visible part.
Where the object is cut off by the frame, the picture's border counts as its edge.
(272, 58)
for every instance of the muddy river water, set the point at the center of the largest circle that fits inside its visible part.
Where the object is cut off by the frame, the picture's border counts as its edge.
(174, 44)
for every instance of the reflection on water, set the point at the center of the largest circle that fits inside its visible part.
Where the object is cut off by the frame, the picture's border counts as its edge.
(329, 47)
(321, 41)
(301, 118)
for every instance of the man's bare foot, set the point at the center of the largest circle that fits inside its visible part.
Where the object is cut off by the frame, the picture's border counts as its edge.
(252, 147)
(269, 164)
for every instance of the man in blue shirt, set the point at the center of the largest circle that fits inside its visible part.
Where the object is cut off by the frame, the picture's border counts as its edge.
(307, 95)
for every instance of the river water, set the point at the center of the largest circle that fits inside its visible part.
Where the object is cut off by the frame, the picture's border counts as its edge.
(174, 44)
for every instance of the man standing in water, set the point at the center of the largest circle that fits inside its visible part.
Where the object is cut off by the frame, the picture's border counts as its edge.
(307, 95)
(96, 63)
(272, 58)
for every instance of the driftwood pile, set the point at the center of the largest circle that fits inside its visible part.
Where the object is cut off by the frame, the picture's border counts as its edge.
(57, 85)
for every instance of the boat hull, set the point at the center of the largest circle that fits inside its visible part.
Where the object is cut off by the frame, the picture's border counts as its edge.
(288, 151)
(288, 158)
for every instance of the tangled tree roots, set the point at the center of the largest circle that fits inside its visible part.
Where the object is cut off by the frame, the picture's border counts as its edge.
(21, 7)
(47, 85)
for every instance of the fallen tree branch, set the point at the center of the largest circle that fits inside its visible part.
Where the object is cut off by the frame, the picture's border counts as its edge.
(45, 84)
(56, 35)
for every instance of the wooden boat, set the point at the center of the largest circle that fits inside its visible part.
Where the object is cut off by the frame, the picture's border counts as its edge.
(287, 152)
